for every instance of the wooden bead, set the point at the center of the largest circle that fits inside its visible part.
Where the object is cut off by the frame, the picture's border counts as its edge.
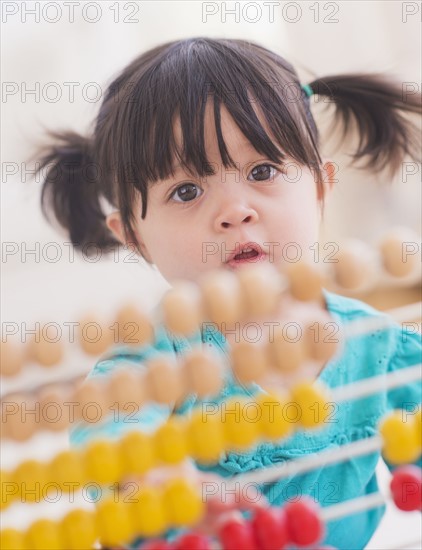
(148, 512)
(305, 281)
(355, 265)
(284, 352)
(11, 539)
(89, 401)
(163, 380)
(67, 468)
(170, 441)
(94, 337)
(221, 297)
(114, 522)
(273, 424)
(205, 436)
(260, 286)
(78, 530)
(137, 453)
(401, 441)
(400, 252)
(12, 358)
(30, 477)
(312, 399)
(240, 417)
(43, 534)
(23, 419)
(202, 373)
(126, 386)
(249, 361)
(181, 307)
(102, 462)
(53, 414)
(134, 328)
(322, 339)
(44, 350)
(182, 502)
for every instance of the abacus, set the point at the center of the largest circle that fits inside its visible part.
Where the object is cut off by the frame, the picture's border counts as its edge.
(221, 298)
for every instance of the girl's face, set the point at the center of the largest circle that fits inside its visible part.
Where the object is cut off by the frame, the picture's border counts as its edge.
(194, 225)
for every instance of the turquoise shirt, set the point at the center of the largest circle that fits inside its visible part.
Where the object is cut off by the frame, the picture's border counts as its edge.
(376, 352)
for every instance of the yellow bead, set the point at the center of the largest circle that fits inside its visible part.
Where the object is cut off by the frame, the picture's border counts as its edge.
(114, 522)
(312, 401)
(30, 477)
(240, 417)
(273, 424)
(9, 489)
(66, 469)
(418, 425)
(170, 441)
(147, 512)
(182, 502)
(101, 461)
(400, 439)
(11, 539)
(205, 436)
(136, 451)
(44, 534)
(78, 530)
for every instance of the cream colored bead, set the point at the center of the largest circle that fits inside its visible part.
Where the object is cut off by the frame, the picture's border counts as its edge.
(260, 286)
(163, 380)
(89, 401)
(322, 339)
(202, 373)
(94, 337)
(305, 281)
(181, 307)
(284, 352)
(127, 386)
(44, 350)
(249, 361)
(54, 415)
(397, 251)
(23, 419)
(221, 297)
(355, 267)
(12, 358)
(134, 328)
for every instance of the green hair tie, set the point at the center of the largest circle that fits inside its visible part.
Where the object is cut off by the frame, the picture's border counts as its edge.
(307, 89)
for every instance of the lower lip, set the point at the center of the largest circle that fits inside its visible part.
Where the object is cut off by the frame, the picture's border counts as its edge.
(234, 264)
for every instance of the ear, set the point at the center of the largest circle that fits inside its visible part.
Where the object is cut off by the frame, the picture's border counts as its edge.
(115, 224)
(329, 171)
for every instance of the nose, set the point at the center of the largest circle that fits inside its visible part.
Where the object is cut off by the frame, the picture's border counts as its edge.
(233, 214)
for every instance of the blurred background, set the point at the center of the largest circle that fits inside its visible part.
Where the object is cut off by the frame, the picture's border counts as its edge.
(57, 61)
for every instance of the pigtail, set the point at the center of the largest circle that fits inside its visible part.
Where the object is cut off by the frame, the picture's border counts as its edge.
(378, 106)
(71, 191)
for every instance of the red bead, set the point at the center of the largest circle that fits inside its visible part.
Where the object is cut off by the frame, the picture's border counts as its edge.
(270, 528)
(237, 534)
(157, 545)
(406, 488)
(192, 541)
(304, 524)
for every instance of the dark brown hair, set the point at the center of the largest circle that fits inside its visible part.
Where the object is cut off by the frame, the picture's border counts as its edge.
(132, 143)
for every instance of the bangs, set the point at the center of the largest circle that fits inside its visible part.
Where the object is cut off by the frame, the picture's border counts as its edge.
(178, 84)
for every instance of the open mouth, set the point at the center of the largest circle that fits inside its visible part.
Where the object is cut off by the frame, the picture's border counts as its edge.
(247, 254)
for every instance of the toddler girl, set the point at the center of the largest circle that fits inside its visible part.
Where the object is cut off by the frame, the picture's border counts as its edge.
(205, 148)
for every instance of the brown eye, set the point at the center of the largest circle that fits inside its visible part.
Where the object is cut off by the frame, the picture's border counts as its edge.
(186, 193)
(263, 172)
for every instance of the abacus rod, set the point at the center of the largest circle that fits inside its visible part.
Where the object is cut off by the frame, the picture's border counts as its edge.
(301, 465)
(352, 506)
(369, 386)
(396, 315)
